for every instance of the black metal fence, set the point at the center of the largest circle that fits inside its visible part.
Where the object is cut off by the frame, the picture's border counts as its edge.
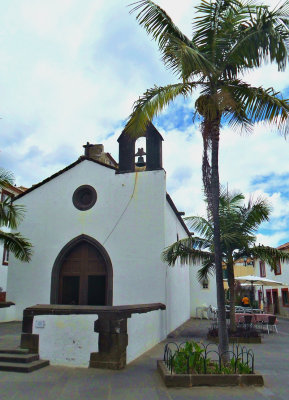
(238, 354)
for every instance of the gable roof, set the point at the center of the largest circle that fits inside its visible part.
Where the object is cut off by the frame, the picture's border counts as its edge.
(283, 246)
(178, 214)
(85, 158)
(150, 128)
(81, 158)
(13, 189)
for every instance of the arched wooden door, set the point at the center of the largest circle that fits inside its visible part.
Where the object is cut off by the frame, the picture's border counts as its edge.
(83, 276)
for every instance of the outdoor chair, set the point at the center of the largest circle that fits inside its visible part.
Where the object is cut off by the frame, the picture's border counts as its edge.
(271, 323)
(247, 322)
(212, 312)
(200, 312)
(257, 311)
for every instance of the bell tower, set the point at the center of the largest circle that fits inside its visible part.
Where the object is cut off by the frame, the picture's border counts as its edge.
(127, 151)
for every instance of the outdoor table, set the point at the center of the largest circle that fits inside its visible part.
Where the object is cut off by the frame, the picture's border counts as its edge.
(255, 317)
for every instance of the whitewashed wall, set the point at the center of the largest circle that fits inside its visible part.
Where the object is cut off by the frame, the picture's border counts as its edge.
(177, 277)
(127, 220)
(184, 292)
(7, 314)
(202, 297)
(81, 340)
(134, 222)
(66, 339)
(144, 332)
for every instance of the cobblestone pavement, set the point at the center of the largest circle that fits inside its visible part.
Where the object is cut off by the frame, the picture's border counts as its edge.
(140, 380)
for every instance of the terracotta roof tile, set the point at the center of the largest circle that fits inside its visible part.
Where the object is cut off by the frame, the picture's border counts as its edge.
(283, 246)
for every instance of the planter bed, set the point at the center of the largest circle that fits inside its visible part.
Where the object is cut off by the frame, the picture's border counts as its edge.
(237, 339)
(189, 380)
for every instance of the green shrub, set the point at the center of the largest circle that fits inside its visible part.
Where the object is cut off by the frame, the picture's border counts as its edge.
(191, 359)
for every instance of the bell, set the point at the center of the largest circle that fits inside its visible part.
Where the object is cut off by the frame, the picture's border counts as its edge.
(140, 162)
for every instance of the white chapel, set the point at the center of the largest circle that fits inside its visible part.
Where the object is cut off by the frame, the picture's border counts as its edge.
(98, 229)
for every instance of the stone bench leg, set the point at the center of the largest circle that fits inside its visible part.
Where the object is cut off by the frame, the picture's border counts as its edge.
(112, 344)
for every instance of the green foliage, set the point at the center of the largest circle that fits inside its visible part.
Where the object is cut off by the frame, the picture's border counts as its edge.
(10, 217)
(229, 39)
(238, 224)
(191, 359)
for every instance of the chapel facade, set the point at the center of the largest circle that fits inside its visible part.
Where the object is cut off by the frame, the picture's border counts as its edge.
(98, 229)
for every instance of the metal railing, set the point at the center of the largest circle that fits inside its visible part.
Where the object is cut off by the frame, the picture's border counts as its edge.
(239, 354)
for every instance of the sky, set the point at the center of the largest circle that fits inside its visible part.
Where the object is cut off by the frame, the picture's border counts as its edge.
(70, 72)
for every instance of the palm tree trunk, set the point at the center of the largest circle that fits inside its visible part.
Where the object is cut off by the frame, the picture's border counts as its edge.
(231, 283)
(211, 135)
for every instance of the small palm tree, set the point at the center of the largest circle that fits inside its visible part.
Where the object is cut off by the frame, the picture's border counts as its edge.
(10, 217)
(229, 39)
(238, 225)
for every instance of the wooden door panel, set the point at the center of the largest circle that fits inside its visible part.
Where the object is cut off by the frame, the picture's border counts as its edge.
(70, 290)
(96, 290)
(83, 274)
(71, 266)
(94, 268)
(76, 252)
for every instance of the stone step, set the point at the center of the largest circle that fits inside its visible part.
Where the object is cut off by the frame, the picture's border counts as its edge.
(18, 358)
(23, 367)
(14, 351)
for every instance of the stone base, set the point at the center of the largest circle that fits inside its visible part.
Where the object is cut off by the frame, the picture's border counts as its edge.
(30, 341)
(106, 361)
(189, 380)
(233, 339)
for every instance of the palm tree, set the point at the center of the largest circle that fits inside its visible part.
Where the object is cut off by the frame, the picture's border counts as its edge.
(10, 217)
(229, 39)
(238, 226)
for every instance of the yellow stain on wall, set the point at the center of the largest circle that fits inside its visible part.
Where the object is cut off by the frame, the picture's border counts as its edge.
(59, 324)
(135, 191)
(83, 217)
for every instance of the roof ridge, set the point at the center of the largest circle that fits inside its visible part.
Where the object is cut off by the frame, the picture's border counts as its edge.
(78, 161)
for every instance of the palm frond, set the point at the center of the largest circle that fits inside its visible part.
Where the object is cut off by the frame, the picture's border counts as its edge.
(232, 239)
(10, 214)
(262, 35)
(17, 244)
(186, 61)
(230, 201)
(238, 120)
(215, 25)
(6, 178)
(256, 212)
(152, 103)
(187, 251)
(269, 254)
(261, 105)
(202, 226)
(157, 22)
(179, 53)
(208, 268)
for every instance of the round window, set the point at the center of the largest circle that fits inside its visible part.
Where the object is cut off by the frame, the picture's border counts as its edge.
(84, 197)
